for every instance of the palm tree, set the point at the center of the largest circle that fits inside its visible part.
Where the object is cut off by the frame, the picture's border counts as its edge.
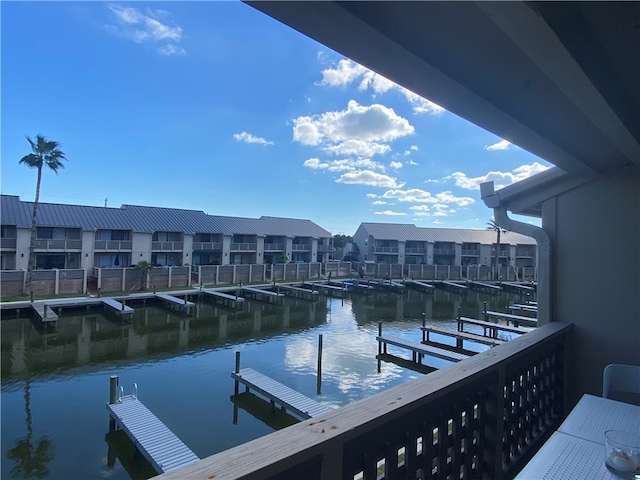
(146, 268)
(492, 225)
(43, 152)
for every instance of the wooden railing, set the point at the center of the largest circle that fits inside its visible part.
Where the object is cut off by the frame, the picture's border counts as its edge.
(483, 418)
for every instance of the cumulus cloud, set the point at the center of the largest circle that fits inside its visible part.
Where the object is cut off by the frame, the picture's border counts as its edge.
(389, 213)
(344, 165)
(501, 145)
(368, 177)
(379, 202)
(356, 146)
(249, 138)
(146, 26)
(375, 123)
(371, 195)
(500, 179)
(416, 195)
(435, 210)
(347, 72)
(395, 165)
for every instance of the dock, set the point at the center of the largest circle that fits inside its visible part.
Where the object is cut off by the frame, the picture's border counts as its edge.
(233, 301)
(297, 292)
(44, 312)
(517, 320)
(421, 285)
(280, 394)
(452, 286)
(472, 337)
(359, 286)
(262, 294)
(118, 307)
(490, 327)
(484, 287)
(159, 445)
(171, 300)
(527, 307)
(519, 287)
(326, 289)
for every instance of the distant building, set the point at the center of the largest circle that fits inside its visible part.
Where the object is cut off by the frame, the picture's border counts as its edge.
(407, 244)
(76, 236)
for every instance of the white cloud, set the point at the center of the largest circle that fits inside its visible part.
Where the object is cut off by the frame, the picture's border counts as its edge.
(315, 164)
(249, 138)
(344, 165)
(395, 165)
(416, 195)
(389, 213)
(367, 177)
(371, 195)
(355, 146)
(500, 179)
(141, 27)
(501, 145)
(375, 123)
(348, 72)
(379, 202)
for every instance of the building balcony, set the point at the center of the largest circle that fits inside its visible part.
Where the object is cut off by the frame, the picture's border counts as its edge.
(167, 246)
(112, 245)
(274, 247)
(49, 245)
(470, 253)
(415, 251)
(377, 249)
(244, 247)
(301, 247)
(444, 251)
(325, 248)
(207, 246)
(524, 254)
(8, 243)
(483, 417)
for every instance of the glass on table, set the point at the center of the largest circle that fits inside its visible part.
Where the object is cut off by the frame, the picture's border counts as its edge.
(622, 453)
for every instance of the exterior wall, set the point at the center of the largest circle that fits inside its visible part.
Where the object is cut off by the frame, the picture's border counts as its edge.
(86, 256)
(22, 248)
(485, 255)
(187, 249)
(600, 216)
(260, 250)
(140, 247)
(226, 248)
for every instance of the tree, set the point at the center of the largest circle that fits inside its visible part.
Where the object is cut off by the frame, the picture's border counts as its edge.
(492, 225)
(146, 268)
(340, 240)
(43, 152)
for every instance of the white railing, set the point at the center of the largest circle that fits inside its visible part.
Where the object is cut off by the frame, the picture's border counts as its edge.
(244, 247)
(480, 418)
(113, 245)
(377, 249)
(207, 246)
(301, 247)
(274, 247)
(166, 246)
(48, 244)
(420, 251)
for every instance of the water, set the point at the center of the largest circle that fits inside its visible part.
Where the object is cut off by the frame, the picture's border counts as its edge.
(55, 385)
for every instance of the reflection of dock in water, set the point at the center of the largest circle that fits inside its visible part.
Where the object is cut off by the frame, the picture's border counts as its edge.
(261, 409)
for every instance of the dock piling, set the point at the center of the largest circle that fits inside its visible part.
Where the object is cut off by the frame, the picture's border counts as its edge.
(113, 389)
(236, 388)
(319, 381)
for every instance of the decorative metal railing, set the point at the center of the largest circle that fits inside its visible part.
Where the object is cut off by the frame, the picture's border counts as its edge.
(483, 418)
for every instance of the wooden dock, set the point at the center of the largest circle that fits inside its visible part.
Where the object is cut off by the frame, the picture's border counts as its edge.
(359, 286)
(116, 306)
(175, 301)
(421, 285)
(225, 299)
(517, 320)
(278, 393)
(490, 327)
(419, 350)
(326, 289)
(262, 294)
(159, 445)
(451, 286)
(518, 287)
(472, 337)
(484, 287)
(527, 307)
(44, 312)
(297, 292)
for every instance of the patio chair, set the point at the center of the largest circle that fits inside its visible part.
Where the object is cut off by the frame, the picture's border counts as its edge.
(620, 378)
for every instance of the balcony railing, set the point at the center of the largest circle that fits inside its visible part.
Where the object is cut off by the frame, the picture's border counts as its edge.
(57, 245)
(274, 247)
(377, 249)
(470, 253)
(8, 243)
(415, 251)
(524, 254)
(325, 248)
(244, 247)
(301, 247)
(113, 245)
(481, 418)
(166, 246)
(207, 246)
(444, 251)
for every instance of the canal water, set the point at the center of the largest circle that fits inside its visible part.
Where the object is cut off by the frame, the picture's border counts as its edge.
(55, 384)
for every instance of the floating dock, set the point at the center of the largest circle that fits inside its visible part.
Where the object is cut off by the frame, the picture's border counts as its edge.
(524, 307)
(491, 328)
(472, 337)
(451, 286)
(233, 301)
(420, 285)
(44, 312)
(519, 287)
(262, 294)
(484, 287)
(298, 292)
(184, 304)
(159, 445)
(278, 393)
(326, 289)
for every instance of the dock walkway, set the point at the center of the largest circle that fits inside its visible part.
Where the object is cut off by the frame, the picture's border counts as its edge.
(44, 312)
(518, 287)
(515, 319)
(228, 300)
(422, 285)
(159, 445)
(452, 286)
(418, 350)
(175, 300)
(485, 287)
(118, 307)
(492, 328)
(280, 394)
(261, 294)
(297, 292)
(472, 337)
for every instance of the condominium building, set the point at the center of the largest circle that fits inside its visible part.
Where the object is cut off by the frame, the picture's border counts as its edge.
(75, 236)
(407, 244)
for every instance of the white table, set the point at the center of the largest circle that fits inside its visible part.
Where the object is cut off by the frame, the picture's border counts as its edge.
(576, 450)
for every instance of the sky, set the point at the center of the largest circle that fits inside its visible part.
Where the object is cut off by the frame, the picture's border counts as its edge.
(217, 107)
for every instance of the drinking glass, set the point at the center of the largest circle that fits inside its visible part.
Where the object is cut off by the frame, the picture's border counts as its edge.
(622, 453)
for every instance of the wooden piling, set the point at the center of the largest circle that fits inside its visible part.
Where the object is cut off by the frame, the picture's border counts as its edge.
(236, 388)
(319, 380)
(113, 389)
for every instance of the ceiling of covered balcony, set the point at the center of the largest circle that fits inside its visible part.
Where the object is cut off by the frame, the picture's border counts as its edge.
(559, 79)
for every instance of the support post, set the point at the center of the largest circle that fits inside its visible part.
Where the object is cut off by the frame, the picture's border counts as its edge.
(319, 381)
(113, 389)
(236, 388)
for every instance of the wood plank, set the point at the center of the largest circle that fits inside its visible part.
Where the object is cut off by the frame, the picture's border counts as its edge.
(528, 321)
(462, 335)
(423, 349)
(117, 306)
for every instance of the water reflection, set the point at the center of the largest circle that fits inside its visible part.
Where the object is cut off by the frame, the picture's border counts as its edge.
(59, 377)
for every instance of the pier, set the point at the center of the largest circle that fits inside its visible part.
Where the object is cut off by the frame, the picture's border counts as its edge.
(262, 294)
(490, 327)
(276, 392)
(451, 286)
(44, 312)
(418, 350)
(159, 445)
(326, 289)
(517, 320)
(524, 307)
(459, 336)
(48, 311)
(428, 287)
(298, 292)
(233, 301)
(175, 301)
(519, 287)
(484, 287)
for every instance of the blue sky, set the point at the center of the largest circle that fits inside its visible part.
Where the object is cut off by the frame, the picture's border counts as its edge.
(214, 106)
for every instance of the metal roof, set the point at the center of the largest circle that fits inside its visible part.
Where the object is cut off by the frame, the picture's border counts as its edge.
(150, 219)
(409, 232)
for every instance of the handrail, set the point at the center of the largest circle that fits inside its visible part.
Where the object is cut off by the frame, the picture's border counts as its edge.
(484, 416)
(120, 393)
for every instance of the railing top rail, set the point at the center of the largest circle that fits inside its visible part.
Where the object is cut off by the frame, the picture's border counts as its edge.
(313, 437)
